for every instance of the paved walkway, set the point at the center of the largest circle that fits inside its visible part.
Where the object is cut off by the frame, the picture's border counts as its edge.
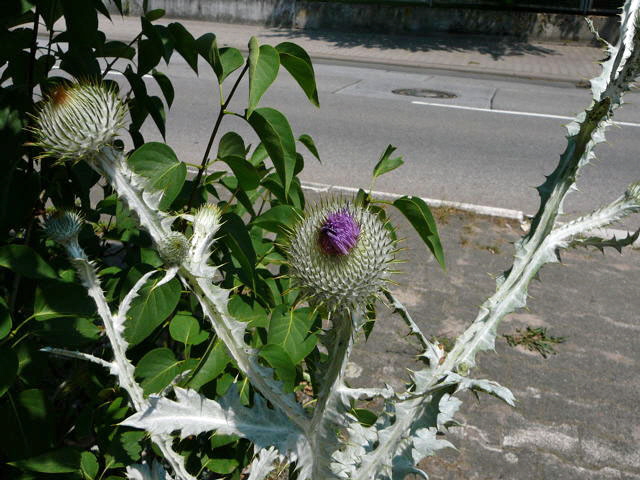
(477, 54)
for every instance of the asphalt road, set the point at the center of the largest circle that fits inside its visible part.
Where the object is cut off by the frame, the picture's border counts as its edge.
(489, 145)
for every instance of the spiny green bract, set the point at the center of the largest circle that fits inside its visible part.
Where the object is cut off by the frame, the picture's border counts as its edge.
(63, 226)
(340, 281)
(76, 121)
(173, 248)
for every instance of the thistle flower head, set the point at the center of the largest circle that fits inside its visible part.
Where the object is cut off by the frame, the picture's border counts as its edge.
(77, 121)
(173, 248)
(339, 233)
(339, 255)
(63, 227)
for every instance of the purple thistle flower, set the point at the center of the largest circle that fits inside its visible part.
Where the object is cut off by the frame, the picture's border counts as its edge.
(339, 233)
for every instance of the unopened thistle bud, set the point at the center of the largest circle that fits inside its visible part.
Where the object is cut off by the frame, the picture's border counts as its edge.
(340, 255)
(173, 248)
(63, 227)
(77, 121)
(206, 223)
(633, 192)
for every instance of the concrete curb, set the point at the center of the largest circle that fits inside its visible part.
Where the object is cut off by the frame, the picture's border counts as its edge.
(484, 210)
(432, 202)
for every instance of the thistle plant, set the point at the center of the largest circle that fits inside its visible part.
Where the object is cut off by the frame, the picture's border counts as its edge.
(336, 265)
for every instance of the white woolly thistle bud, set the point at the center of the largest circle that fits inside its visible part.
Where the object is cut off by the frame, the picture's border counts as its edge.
(340, 254)
(206, 223)
(173, 248)
(63, 227)
(77, 121)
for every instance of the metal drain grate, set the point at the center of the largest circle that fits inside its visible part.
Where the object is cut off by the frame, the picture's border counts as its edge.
(423, 93)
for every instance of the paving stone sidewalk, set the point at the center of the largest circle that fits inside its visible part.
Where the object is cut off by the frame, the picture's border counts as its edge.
(567, 62)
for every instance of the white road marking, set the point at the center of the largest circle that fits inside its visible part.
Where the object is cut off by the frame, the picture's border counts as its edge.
(432, 202)
(485, 210)
(113, 72)
(511, 112)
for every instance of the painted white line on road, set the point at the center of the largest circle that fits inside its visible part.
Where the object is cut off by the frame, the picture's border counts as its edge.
(511, 112)
(484, 210)
(113, 72)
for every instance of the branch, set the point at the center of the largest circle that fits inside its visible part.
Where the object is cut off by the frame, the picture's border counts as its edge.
(78, 355)
(214, 132)
(329, 414)
(432, 352)
(123, 368)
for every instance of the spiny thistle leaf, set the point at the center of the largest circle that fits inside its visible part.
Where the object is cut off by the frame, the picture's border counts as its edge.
(263, 464)
(602, 243)
(142, 471)
(192, 413)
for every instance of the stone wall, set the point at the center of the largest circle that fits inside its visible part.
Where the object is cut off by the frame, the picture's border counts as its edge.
(386, 18)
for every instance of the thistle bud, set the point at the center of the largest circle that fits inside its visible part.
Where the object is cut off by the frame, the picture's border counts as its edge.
(633, 192)
(206, 223)
(340, 254)
(173, 248)
(63, 227)
(77, 121)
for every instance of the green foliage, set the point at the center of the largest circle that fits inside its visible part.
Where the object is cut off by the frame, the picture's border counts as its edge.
(386, 163)
(264, 63)
(420, 217)
(150, 309)
(535, 340)
(62, 415)
(160, 166)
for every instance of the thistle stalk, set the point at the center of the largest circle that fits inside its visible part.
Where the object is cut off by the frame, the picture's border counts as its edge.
(329, 411)
(121, 367)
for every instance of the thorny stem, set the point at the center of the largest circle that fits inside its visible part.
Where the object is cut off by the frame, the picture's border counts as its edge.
(214, 132)
(329, 397)
(400, 309)
(125, 370)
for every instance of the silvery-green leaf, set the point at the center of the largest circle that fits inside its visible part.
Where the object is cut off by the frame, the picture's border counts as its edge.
(142, 471)
(263, 464)
(192, 414)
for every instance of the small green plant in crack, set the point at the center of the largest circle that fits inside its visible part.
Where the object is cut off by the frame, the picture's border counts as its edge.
(535, 339)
